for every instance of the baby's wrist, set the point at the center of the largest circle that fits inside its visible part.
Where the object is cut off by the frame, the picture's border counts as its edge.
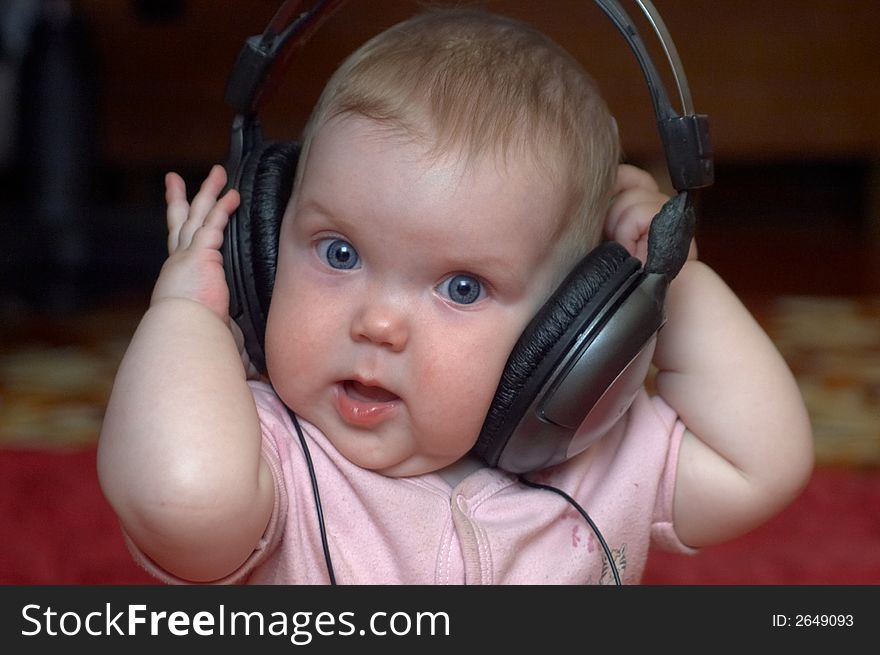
(181, 303)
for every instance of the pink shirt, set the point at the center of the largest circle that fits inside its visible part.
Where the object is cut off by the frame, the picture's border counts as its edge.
(489, 529)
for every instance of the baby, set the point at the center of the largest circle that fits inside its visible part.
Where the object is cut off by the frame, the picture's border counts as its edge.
(455, 169)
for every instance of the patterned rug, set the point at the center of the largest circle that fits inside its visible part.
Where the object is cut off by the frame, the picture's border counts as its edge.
(56, 373)
(833, 348)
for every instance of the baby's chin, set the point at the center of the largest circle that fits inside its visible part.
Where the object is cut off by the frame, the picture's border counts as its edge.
(379, 461)
(407, 468)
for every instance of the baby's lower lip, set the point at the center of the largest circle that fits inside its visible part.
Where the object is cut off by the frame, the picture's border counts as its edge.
(364, 406)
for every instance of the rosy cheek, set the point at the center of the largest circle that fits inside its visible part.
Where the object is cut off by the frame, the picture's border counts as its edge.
(283, 343)
(462, 388)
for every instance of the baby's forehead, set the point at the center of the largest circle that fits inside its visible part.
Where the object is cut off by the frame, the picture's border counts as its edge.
(406, 173)
(356, 143)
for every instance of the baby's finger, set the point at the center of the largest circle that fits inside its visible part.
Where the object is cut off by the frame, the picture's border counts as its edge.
(620, 209)
(210, 234)
(224, 208)
(631, 177)
(201, 205)
(208, 238)
(207, 194)
(177, 208)
(633, 228)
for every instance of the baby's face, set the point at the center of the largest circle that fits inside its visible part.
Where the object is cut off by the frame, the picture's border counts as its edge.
(403, 282)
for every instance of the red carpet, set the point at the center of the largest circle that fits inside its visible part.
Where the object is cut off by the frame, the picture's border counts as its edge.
(57, 529)
(829, 535)
(56, 526)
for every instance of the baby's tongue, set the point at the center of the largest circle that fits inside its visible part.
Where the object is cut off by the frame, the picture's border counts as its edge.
(362, 392)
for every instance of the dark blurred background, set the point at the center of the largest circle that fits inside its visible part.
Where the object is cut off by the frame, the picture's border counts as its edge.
(98, 98)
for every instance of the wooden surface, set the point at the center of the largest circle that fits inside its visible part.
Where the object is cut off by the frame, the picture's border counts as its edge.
(780, 80)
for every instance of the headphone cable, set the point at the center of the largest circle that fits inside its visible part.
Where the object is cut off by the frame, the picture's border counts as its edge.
(522, 478)
(583, 512)
(320, 512)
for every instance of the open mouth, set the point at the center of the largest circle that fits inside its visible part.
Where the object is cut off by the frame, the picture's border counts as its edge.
(367, 393)
(363, 405)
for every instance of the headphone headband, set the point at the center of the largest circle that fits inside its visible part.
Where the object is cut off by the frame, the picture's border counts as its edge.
(685, 136)
(250, 80)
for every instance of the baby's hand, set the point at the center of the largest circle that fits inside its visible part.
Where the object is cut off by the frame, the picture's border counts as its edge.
(194, 268)
(636, 200)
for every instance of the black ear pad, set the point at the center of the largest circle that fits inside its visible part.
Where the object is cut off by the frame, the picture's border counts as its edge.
(272, 185)
(592, 283)
(265, 186)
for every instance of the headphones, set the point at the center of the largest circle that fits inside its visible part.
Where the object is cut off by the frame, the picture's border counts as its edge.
(579, 363)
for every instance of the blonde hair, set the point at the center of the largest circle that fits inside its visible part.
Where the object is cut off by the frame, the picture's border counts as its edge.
(486, 84)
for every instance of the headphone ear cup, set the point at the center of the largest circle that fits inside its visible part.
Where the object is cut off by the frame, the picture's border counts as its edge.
(544, 342)
(265, 186)
(272, 186)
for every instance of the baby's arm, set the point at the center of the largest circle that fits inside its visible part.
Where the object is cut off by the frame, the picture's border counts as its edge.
(748, 448)
(179, 454)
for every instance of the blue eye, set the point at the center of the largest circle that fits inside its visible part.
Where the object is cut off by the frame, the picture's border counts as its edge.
(338, 253)
(461, 289)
